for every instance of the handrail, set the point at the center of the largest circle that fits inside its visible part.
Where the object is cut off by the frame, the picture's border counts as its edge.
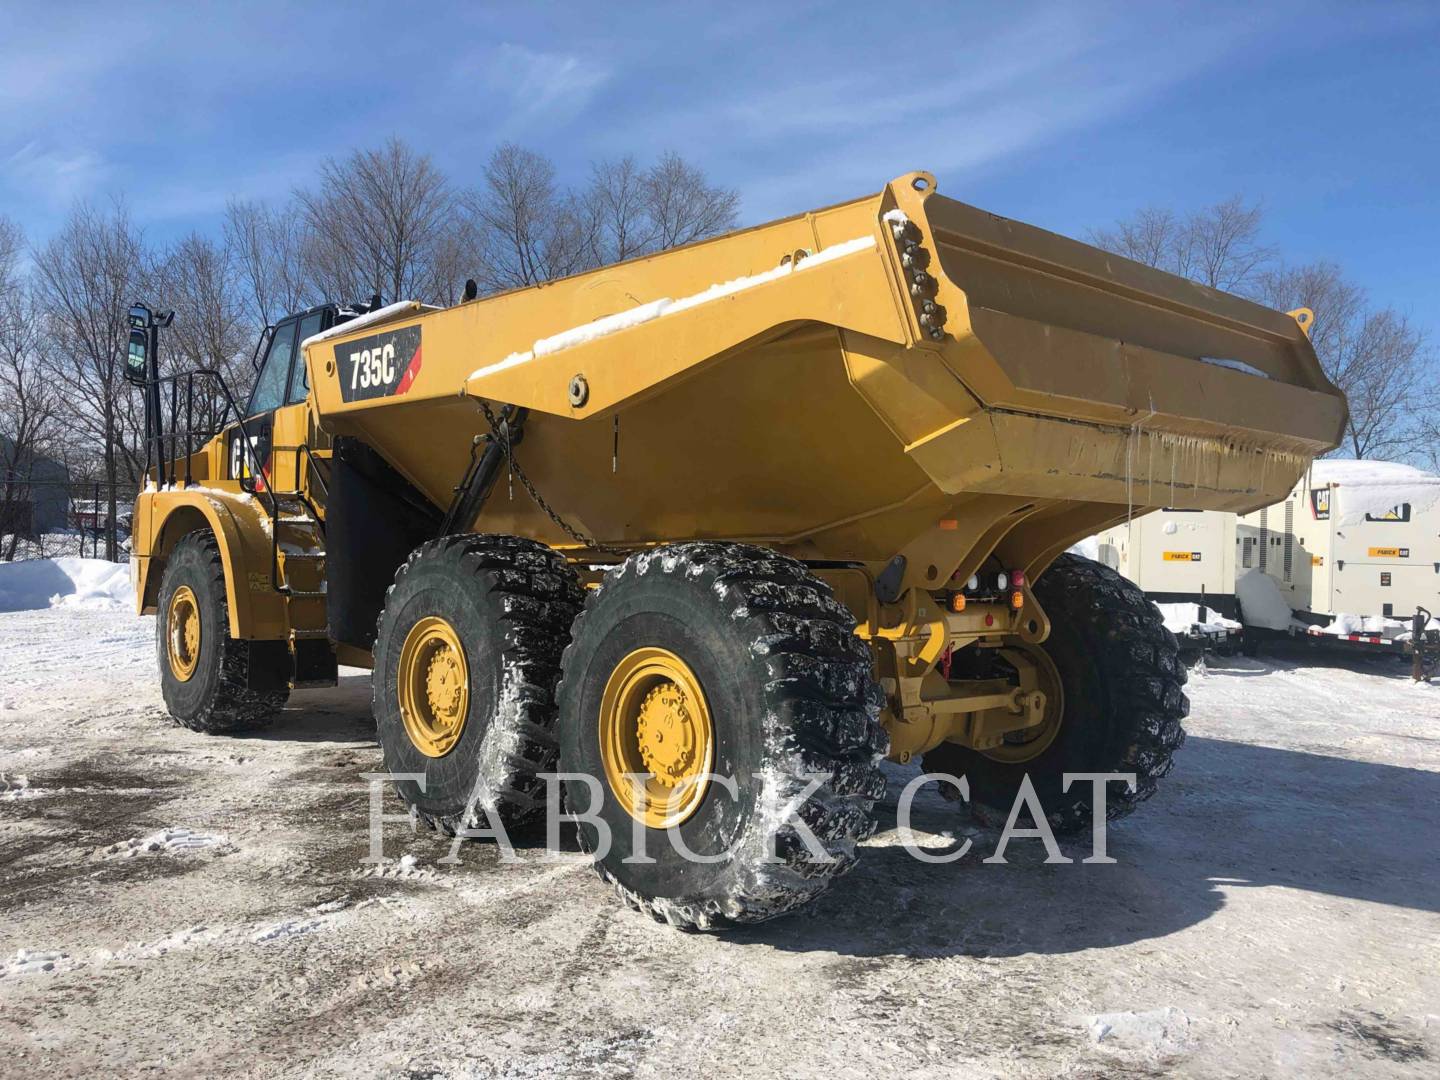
(247, 484)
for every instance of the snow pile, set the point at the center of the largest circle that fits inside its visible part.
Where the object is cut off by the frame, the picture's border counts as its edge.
(1155, 1031)
(1372, 625)
(1185, 619)
(31, 961)
(1375, 487)
(1260, 601)
(172, 841)
(1089, 548)
(655, 309)
(93, 584)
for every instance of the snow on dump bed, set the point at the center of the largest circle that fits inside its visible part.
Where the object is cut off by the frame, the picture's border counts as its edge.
(644, 313)
(71, 582)
(1375, 487)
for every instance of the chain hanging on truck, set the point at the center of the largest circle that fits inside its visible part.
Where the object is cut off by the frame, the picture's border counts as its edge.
(501, 436)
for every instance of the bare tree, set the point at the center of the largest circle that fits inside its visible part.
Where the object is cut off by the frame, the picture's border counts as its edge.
(85, 279)
(377, 222)
(29, 396)
(214, 326)
(12, 243)
(683, 205)
(267, 247)
(534, 230)
(1375, 355)
(1217, 246)
(531, 229)
(618, 197)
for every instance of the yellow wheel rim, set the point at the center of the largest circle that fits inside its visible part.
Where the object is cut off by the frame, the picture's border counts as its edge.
(433, 683)
(1039, 674)
(654, 719)
(182, 633)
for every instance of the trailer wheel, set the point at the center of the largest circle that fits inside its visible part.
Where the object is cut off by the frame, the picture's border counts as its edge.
(727, 679)
(1121, 681)
(204, 673)
(467, 652)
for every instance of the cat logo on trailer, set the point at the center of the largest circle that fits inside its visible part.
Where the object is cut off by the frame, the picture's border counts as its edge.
(1182, 556)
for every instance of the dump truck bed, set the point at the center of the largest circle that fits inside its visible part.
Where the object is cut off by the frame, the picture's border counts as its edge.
(902, 373)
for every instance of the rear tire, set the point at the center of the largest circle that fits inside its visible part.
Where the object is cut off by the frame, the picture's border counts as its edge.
(508, 603)
(1122, 680)
(788, 692)
(204, 672)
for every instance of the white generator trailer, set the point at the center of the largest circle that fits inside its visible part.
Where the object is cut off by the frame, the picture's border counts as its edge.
(1185, 562)
(1353, 551)
(1354, 548)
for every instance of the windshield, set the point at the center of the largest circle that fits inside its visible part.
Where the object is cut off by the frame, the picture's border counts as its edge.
(269, 393)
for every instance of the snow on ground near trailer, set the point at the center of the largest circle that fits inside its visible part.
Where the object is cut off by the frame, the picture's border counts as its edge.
(176, 903)
(66, 582)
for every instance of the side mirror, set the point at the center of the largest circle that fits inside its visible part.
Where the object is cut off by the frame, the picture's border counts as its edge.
(137, 360)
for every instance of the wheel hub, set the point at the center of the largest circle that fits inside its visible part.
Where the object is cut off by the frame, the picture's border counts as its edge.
(433, 684)
(666, 733)
(182, 633)
(657, 741)
(1038, 673)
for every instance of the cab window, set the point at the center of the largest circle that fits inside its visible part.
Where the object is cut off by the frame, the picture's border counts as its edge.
(299, 377)
(269, 393)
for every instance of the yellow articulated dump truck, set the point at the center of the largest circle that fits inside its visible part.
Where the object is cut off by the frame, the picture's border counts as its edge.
(711, 533)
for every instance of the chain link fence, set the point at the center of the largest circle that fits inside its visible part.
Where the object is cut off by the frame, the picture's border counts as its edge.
(48, 519)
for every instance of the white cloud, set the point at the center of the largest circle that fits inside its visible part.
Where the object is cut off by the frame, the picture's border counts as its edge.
(54, 174)
(543, 83)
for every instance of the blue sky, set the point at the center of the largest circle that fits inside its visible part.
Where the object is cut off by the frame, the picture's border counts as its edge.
(1064, 115)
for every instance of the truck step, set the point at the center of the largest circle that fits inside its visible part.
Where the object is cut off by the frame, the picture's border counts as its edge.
(289, 555)
(304, 594)
(310, 635)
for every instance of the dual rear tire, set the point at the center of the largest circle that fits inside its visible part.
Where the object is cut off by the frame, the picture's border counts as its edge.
(714, 716)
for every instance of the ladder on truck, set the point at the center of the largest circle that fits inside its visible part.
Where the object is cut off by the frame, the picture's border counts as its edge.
(297, 567)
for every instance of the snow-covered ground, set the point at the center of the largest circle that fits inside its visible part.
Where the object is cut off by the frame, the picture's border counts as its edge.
(172, 902)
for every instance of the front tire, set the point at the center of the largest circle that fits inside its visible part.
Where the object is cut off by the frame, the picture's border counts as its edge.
(205, 674)
(467, 653)
(1122, 685)
(720, 660)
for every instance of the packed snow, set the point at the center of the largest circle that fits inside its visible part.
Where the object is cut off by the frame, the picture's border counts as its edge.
(70, 582)
(655, 309)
